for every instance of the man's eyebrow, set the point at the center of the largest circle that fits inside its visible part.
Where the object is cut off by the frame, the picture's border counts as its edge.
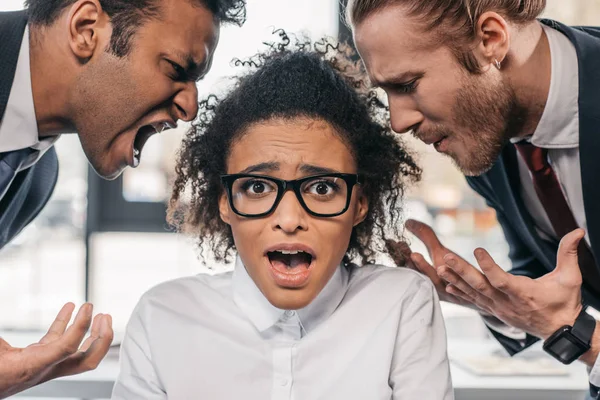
(193, 70)
(262, 167)
(399, 79)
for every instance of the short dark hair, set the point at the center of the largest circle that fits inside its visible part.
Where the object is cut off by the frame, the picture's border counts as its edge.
(127, 16)
(295, 80)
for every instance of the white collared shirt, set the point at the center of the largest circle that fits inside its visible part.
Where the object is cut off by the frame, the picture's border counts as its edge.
(558, 131)
(373, 333)
(18, 126)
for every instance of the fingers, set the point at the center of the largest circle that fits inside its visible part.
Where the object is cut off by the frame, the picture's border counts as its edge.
(466, 300)
(94, 333)
(99, 347)
(427, 269)
(74, 335)
(55, 346)
(399, 251)
(68, 343)
(460, 288)
(92, 351)
(426, 235)
(567, 249)
(472, 282)
(496, 276)
(60, 324)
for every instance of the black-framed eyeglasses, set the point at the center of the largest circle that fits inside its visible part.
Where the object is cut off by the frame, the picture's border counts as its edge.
(323, 195)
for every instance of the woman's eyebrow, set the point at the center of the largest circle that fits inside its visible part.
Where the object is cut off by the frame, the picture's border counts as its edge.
(262, 167)
(315, 169)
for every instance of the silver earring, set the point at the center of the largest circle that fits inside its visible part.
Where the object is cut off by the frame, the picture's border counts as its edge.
(497, 63)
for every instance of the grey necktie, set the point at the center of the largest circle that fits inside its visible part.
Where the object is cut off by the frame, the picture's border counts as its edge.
(12, 163)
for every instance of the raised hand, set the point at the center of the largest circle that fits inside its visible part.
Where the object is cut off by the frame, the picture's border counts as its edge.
(537, 306)
(59, 353)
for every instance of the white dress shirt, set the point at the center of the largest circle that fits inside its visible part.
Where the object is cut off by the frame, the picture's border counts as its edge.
(18, 126)
(373, 333)
(557, 131)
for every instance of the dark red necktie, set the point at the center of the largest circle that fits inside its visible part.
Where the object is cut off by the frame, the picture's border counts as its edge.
(552, 198)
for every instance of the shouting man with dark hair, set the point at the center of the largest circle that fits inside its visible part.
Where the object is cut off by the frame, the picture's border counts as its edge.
(115, 72)
(514, 101)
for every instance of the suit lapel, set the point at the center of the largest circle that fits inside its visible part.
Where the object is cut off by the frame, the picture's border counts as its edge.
(12, 27)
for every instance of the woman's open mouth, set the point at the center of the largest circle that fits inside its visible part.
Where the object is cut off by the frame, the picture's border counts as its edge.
(290, 268)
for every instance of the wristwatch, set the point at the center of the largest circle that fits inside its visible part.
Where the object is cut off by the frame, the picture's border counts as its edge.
(570, 342)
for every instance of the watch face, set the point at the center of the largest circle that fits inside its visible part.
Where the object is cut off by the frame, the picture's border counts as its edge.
(565, 347)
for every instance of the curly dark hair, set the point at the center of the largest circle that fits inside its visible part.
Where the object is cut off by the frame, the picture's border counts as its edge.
(292, 79)
(127, 16)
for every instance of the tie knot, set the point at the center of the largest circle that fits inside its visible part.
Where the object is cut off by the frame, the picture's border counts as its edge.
(18, 160)
(535, 157)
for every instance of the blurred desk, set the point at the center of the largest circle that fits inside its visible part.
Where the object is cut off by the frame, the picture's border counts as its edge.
(468, 386)
(98, 384)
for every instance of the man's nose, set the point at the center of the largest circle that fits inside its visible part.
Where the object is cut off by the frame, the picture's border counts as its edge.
(186, 102)
(404, 115)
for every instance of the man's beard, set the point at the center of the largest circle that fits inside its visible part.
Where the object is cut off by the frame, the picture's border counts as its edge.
(488, 115)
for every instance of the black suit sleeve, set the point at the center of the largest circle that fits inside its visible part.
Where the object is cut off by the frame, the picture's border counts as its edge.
(524, 263)
(594, 391)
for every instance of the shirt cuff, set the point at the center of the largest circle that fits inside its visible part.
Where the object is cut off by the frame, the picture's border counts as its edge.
(595, 373)
(506, 330)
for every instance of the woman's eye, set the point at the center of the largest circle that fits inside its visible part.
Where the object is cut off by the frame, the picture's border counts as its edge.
(257, 187)
(323, 188)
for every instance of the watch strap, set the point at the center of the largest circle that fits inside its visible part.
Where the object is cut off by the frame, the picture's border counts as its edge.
(584, 326)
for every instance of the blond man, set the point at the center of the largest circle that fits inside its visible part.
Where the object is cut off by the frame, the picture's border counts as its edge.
(514, 101)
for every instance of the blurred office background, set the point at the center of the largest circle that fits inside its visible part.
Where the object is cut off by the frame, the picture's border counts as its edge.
(108, 242)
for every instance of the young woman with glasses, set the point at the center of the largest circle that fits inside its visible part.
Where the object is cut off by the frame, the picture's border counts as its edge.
(295, 179)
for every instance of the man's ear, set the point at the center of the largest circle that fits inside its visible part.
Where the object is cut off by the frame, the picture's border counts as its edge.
(88, 24)
(493, 40)
(362, 208)
(224, 209)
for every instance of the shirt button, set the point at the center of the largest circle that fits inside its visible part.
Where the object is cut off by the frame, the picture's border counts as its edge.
(283, 381)
(289, 313)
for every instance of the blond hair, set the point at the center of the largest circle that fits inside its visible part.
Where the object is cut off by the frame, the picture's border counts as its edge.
(454, 21)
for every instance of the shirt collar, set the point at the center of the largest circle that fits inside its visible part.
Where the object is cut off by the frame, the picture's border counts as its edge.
(18, 126)
(559, 126)
(263, 314)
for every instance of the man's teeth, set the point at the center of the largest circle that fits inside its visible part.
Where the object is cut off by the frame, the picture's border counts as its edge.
(160, 127)
(290, 251)
(136, 157)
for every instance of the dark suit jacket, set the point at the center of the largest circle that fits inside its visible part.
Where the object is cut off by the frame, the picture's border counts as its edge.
(531, 255)
(28, 191)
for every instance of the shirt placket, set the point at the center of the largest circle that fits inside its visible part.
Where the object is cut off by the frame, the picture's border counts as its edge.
(284, 351)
